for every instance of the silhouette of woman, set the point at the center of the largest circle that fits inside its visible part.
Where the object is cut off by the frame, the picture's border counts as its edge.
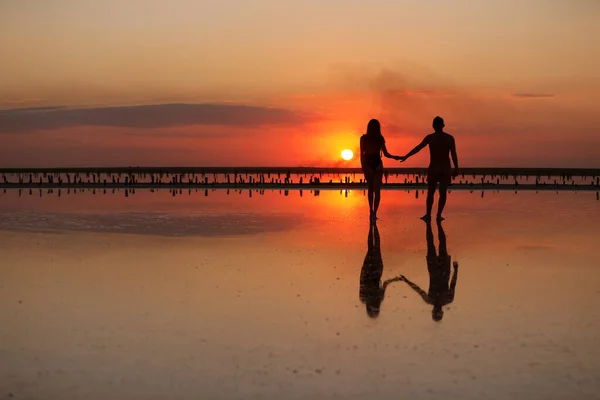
(372, 144)
(371, 291)
(439, 274)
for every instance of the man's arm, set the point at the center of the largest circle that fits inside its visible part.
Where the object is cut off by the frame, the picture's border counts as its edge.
(417, 149)
(454, 157)
(453, 282)
(417, 289)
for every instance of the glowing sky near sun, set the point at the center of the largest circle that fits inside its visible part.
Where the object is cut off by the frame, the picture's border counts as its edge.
(517, 81)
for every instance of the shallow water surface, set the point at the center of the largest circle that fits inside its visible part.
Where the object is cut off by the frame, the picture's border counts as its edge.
(231, 296)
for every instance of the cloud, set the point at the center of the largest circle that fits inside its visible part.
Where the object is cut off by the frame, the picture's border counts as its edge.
(22, 101)
(147, 116)
(423, 93)
(31, 110)
(532, 96)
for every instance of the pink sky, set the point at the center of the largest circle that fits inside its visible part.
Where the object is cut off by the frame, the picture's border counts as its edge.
(517, 83)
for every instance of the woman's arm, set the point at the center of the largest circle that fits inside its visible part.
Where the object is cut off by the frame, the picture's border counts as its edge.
(386, 283)
(362, 153)
(387, 154)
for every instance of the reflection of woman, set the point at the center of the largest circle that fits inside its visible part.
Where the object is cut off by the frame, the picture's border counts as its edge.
(372, 144)
(439, 274)
(371, 290)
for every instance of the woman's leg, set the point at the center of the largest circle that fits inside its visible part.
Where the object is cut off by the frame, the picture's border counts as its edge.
(377, 178)
(369, 178)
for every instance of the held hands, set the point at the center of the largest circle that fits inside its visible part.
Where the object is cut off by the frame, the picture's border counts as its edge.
(400, 158)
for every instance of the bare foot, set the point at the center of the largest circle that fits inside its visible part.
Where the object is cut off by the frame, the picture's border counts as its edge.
(440, 218)
(426, 218)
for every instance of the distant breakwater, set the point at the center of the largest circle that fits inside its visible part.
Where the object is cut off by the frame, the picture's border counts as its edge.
(292, 178)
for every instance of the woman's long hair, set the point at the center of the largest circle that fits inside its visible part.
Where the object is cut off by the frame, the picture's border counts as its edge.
(374, 131)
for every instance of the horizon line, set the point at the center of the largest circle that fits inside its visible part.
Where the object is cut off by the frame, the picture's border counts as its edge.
(300, 170)
(262, 167)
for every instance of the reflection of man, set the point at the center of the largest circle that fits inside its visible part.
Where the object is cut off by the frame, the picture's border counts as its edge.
(439, 275)
(371, 291)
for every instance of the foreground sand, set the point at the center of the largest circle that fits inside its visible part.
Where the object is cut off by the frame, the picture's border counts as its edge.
(238, 298)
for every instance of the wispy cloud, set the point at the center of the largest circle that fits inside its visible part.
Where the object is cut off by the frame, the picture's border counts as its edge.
(147, 116)
(532, 95)
(422, 93)
(29, 110)
(22, 101)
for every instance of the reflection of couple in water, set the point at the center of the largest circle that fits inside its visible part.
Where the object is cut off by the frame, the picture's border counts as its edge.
(441, 146)
(441, 288)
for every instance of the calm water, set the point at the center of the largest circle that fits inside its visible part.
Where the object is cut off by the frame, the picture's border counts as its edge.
(222, 296)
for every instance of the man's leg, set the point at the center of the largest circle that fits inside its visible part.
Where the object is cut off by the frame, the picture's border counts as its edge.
(442, 201)
(442, 239)
(431, 185)
(431, 253)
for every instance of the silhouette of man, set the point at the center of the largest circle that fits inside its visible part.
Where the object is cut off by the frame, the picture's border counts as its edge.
(371, 291)
(438, 266)
(441, 145)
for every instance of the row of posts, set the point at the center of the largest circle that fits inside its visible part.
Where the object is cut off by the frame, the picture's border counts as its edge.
(132, 179)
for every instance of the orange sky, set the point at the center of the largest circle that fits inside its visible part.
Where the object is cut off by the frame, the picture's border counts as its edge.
(517, 83)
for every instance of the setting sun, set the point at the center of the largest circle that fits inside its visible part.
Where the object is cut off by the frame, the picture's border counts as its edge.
(347, 154)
